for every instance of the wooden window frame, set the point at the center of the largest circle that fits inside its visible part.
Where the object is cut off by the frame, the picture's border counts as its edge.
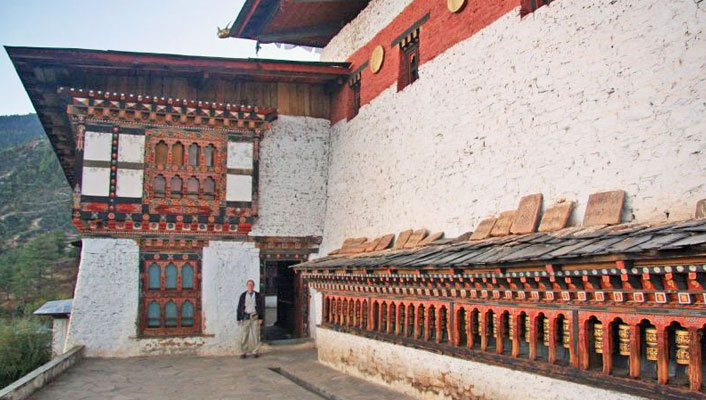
(162, 296)
(529, 6)
(409, 63)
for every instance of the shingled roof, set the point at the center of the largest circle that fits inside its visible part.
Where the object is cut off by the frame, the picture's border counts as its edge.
(628, 241)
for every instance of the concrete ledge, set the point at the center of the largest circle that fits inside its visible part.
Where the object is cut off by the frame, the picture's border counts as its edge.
(425, 375)
(28, 384)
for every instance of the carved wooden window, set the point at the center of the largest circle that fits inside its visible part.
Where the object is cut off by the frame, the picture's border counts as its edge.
(409, 62)
(209, 154)
(530, 6)
(176, 187)
(171, 292)
(177, 154)
(209, 189)
(160, 153)
(194, 153)
(192, 188)
(160, 186)
(356, 97)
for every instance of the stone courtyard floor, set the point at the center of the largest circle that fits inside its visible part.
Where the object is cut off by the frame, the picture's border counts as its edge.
(191, 377)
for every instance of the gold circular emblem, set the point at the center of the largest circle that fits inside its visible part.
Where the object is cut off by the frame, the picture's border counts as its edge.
(455, 5)
(376, 59)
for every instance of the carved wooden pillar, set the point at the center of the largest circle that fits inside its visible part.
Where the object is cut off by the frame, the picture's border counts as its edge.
(381, 318)
(427, 324)
(533, 338)
(483, 330)
(515, 335)
(500, 333)
(398, 328)
(457, 328)
(584, 355)
(388, 325)
(552, 339)
(634, 360)
(406, 322)
(662, 355)
(694, 359)
(439, 328)
(470, 320)
(573, 354)
(416, 323)
(607, 348)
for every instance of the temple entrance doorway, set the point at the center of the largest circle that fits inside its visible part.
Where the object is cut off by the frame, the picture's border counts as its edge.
(280, 300)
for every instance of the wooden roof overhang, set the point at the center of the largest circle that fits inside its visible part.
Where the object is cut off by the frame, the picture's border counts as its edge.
(43, 71)
(569, 246)
(301, 22)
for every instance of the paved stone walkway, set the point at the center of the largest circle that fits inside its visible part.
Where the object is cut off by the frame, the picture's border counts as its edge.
(205, 378)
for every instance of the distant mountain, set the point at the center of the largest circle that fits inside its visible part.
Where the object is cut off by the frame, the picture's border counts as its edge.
(34, 195)
(18, 129)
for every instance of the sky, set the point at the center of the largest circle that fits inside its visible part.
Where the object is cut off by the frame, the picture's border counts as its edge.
(157, 26)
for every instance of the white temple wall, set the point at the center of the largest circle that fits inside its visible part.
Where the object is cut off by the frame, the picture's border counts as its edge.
(292, 181)
(357, 33)
(579, 97)
(59, 329)
(406, 370)
(104, 315)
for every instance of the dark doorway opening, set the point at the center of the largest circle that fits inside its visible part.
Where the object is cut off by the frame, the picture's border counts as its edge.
(280, 300)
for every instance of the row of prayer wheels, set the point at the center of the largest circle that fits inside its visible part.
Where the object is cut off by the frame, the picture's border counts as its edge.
(681, 342)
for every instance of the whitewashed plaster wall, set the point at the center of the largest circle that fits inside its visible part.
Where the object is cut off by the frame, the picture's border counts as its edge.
(579, 97)
(316, 308)
(292, 180)
(357, 33)
(451, 378)
(59, 329)
(104, 315)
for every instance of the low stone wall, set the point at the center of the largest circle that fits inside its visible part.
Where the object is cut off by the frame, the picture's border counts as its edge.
(28, 384)
(425, 375)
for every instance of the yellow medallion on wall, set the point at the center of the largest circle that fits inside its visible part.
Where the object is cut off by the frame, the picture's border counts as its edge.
(455, 5)
(376, 59)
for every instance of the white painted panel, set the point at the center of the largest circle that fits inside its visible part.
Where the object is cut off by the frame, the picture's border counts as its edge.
(131, 148)
(95, 181)
(240, 155)
(239, 188)
(96, 146)
(129, 183)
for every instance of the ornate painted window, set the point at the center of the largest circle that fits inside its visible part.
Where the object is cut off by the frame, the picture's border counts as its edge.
(177, 154)
(176, 187)
(409, 60)
(209, 189)
(209, 153)
(160, 186)
(160, 153)
(192, 188)
(194, 154)
(170, 294)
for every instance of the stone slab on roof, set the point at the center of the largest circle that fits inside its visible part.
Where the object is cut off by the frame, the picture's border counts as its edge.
(569, 243)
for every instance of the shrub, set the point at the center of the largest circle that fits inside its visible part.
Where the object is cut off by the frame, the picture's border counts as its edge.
(24, 345)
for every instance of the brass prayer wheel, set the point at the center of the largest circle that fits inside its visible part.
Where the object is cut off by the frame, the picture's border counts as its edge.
(598, 338)
(566, 334)
(682, 342)
(624, 340)
(545, 331)
(494, 330)
(528, 328)
(651, 342)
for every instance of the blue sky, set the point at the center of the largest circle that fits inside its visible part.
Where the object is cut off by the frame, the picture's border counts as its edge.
(158, 26)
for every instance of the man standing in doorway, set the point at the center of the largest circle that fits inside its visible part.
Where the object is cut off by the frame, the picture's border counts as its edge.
(250, 317)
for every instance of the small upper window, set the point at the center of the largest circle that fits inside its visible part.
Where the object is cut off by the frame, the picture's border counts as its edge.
(170, 276)
(209, 189)
(209, 154)
(192, 188)
(194, 153)
(153, 315)
(409, 60)
(159, 186)
(160, 153)
(187, 276)
(176, 187)
(177, 154)
(170, 314)
(154, 278)
(356, 96)
(187, 314)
